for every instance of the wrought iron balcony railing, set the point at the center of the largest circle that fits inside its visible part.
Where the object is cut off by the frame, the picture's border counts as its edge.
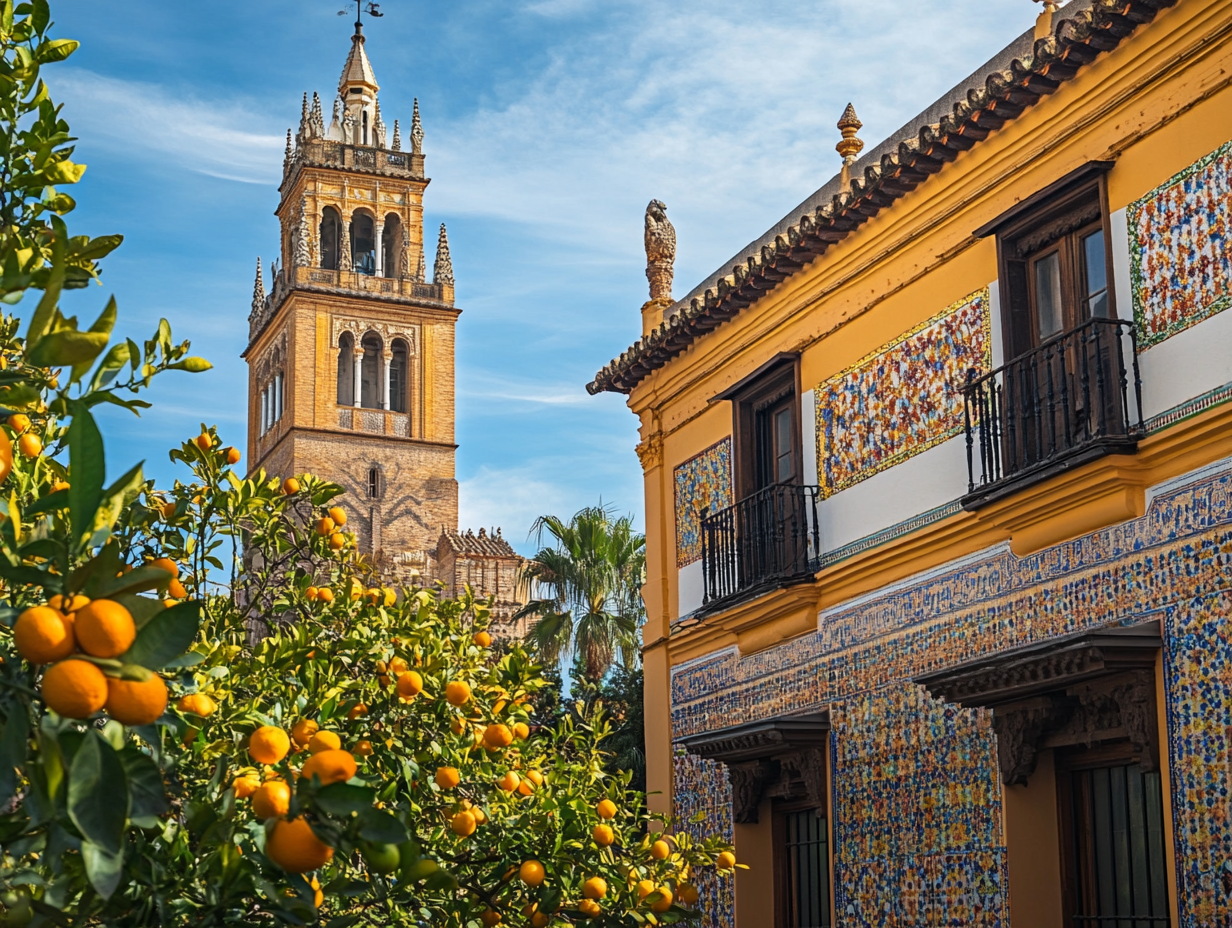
(766, 540)
(1070, 400)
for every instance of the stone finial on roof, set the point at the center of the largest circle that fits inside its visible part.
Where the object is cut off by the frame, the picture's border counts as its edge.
(849, 146)
(442, 271)
(287, 156)
(660, 240)
(397, 137)
(316, 118)
(416, 131)
(258, 293)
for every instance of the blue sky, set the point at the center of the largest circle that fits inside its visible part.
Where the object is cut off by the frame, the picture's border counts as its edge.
(549, 125)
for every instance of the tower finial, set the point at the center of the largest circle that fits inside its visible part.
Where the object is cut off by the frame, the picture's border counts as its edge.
(442, 271)
(258, 293)
(416, 131)
(397, 137)
(849, 146)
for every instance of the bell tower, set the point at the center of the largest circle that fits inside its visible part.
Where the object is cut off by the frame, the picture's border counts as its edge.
(351, 351)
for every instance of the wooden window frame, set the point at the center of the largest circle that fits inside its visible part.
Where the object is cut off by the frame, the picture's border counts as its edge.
(766, 387)
(780, 809)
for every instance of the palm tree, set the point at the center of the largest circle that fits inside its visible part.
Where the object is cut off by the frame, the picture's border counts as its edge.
(591, 577)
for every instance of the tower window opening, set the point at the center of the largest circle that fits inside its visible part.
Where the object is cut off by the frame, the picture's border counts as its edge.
(346, 370)
(371, 374)
(365, 127)
(391, 245)
(331, 237)
(363, 243)
(397, 377)
(374, 483)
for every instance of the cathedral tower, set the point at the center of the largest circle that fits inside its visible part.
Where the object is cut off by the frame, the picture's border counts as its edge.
(351, 351)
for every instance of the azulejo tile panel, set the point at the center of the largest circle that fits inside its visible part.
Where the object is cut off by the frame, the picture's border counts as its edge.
(1180, 251)
(704, 480)
(903, 398)
(917, 831)
(703, 806)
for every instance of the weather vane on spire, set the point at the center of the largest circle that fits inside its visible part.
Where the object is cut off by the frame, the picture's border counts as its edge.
(374, 10)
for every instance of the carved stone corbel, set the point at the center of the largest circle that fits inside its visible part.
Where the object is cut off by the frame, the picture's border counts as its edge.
(1019, 731)
(1136, 700)
(809, 767)
(747, 782)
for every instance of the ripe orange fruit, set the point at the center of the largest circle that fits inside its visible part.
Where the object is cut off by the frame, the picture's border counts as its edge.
(197, 704)
(331, 766)
(168, 510)
(357, 710)
(132, 703)
(688, 893)
(509, 782)
(483, 639)
(410, 684)
(272, 799)
(6, 456)
(645, 888)
(539, 920)
(310, 594)
(603, 835)
(293, 846)
(268, 745)
(726, 860)
(170, 566)
(176, 590)
(19, 422)
(595, 888)
(660, 850)
(205, 441)
(43, 635)
(665, 900)
(463, 824)
(325, 594)
(589, 908)
(363, 747)
(233, 455)
(447, 777)
(497, 736)
(398, 665)
(337, 541)
(324, 741)
(30, 445)
(338, 514)
(71, 605)
(490, 918)
(521, 731)
(290, 486)
(325, 526)
(531, 873)
(535, 777)
(104, 628)
(74, 688)
(606, 808)
(303, 730)
(458, 692)
(245, 786)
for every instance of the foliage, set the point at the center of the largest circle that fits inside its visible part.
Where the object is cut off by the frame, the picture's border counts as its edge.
(593, 575)
(246, 598)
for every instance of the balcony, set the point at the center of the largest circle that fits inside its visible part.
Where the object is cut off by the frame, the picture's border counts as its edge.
(765, 541)
(1070, 400)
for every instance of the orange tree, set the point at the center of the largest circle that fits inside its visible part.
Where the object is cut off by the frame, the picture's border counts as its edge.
(212, 714)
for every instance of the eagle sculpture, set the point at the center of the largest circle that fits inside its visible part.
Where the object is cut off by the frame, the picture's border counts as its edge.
(660, 251)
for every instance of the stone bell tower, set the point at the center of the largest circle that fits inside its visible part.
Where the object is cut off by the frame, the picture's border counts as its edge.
(351, 351)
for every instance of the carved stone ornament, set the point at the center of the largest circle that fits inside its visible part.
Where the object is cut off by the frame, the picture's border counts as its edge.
(344, 258)
(747, 782)
(660, 240)
(360, 327)
(808, 767)
(1018, 736)
(650, 452)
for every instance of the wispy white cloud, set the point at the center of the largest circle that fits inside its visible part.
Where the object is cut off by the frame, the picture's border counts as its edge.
(224, 139)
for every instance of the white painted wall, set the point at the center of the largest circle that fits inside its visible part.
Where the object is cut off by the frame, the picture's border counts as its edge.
(690, 588)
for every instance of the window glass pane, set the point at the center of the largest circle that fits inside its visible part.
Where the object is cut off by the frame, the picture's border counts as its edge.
(806, 867)
(1048, 294)
(1096, 273)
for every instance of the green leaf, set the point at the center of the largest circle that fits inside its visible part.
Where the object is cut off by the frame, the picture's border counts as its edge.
(382, 828)
(40, 16)
(343, 798)
(135, 581)
(148, 798)
(117, 496)
(67, 347)
(166, 636)
(98, 793)
(13, 745)
(43, 315)
(86, 463)
(64, 172)
(102, 867)
(193, 365)
(103, 324)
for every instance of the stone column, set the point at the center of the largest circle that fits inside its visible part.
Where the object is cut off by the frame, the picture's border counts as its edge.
(358, 352)
(380, 247)
(386, 358)
(280, 397)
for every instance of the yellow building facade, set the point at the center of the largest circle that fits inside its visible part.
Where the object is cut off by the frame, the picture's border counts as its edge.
(351, 350)
(937, 480)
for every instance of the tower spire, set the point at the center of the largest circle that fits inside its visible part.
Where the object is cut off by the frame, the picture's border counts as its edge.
(442, 271)
(416, 131)
(397, 137)
(258, 293)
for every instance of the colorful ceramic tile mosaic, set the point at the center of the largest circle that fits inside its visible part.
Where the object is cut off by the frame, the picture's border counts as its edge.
(704, 794)
(703, 480)
(917, 826)
(903, 398)
(1180, 256)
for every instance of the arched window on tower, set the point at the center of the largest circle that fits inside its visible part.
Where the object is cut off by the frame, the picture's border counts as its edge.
(391, 245)
(331, 237)
(346, 370)
(372, 375)
(374, 483)
(363, 243)
(397, 377)
(365, 127)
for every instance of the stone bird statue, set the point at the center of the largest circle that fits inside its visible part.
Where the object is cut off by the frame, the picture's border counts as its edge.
(660, 251)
